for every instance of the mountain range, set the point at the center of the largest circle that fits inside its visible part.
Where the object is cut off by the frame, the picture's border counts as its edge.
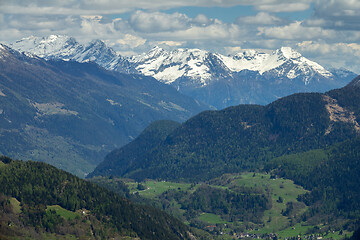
(72, 114)
(215, 79)
(238, 138)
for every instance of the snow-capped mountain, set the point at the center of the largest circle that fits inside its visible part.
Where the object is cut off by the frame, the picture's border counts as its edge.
(284, 61)
(167, 67)
(205, 67)
(216, 79)
(66, 48)
(246, 77)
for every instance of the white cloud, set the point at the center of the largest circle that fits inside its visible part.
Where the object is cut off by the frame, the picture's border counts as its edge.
(92, 26)
(262, 18)
(170, 43)
(339, 14)
(201, 19)
(150, 22)
(296, 31)
(212, 32)
(345, 55)
(131, 40)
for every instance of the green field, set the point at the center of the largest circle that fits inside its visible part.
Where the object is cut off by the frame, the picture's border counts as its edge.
(16, 205)
(156, 188)
(283, 188)
(68, 215)
(275, 220)
(211, 218)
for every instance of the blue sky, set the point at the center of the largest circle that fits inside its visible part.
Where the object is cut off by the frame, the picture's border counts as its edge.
(326, 31)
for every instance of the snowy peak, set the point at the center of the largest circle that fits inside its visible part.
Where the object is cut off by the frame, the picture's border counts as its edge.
(284, 62)
(66, 48)
(156, 52)
(3, 52)
(167, 67)
(96, 51)
(53, 46)
(288, 53)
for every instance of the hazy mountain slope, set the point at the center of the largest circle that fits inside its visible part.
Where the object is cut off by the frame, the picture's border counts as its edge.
(246, 136)
(246, 77)
(38, 185)
(148, 139)
(71, 114)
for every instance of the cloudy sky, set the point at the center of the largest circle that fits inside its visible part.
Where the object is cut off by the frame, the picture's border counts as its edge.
(326, 31)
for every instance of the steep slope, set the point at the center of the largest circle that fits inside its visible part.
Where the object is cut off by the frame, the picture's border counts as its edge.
(71, 114)
(38, 186)
(330, 174)
(215, 79)
(246, 136)
(148, 139)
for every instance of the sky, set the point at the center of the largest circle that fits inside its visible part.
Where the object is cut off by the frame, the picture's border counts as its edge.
(325, 31)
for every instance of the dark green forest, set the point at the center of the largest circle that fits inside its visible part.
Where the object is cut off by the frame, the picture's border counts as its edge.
(239, 204)
(330, 174)
(37, 185)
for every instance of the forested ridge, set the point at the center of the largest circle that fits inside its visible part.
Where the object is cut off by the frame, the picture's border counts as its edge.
(238, 138)
(37, 185)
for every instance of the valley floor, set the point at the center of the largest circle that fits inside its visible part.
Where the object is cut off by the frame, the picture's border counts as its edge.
(281, 219)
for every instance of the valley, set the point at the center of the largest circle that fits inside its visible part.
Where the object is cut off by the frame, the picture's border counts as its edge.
(180, 120)
(174, 167)
(283, 216)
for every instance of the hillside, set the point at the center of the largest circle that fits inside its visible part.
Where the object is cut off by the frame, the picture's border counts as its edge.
(330, 174)
(39, 200)
(148, 139)
(243, 137)
(71, 114)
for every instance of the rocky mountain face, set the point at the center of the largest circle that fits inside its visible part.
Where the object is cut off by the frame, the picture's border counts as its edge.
(218, 80)
(71, 114)
(240, 138)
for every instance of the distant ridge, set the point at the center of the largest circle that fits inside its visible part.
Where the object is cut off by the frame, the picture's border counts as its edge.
(246, 77)
(71, 114)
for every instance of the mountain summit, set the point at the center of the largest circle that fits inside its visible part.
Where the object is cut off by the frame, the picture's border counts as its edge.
(66, 48)
(246, 77)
